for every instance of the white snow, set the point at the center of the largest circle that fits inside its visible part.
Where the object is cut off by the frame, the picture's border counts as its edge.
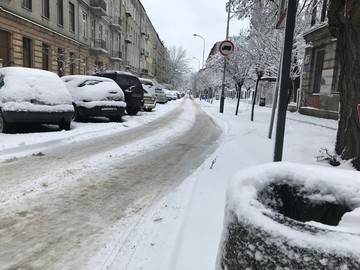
(182, 232)
(27, 89)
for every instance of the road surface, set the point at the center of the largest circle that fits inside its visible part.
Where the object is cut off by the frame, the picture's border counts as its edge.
(56, 205)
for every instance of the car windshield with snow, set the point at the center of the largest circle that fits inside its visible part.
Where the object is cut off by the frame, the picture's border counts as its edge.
(95, 96)
(30, 95)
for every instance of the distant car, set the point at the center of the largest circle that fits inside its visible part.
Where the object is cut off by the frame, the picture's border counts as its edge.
(149, 94)
(29, 95)
(160, 96)
(131, 85)
(95, 96)
(173, 95)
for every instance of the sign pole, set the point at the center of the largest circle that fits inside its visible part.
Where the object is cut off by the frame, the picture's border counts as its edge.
(222, 98)
(285, 75)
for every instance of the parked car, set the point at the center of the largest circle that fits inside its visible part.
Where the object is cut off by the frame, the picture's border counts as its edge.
(160, 96)
(131, 85)
(149, 94)
(95, 96)
(29, 95)
(172, 95)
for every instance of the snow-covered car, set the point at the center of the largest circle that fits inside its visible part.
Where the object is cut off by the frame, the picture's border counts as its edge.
(160, 96)
(132, 87)
(149, 94)
(29, 95)
(95, 96)
(172, 95)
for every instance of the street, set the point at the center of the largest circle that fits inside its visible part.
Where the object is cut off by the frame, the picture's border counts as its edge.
(56, 205)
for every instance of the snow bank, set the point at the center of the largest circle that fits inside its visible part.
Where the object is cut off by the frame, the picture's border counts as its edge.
(287, 215)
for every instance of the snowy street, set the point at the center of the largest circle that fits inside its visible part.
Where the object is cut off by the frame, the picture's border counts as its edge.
(57, 203)
(63, 210)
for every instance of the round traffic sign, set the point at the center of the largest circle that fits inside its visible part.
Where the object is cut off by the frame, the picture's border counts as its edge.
(226, 47)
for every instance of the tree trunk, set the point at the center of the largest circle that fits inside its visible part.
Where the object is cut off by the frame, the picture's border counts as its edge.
(344, 21)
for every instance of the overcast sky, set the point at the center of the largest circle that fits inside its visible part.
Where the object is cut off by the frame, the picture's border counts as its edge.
(176, 22)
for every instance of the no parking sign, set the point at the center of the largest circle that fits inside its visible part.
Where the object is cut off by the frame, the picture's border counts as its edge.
(226, 47)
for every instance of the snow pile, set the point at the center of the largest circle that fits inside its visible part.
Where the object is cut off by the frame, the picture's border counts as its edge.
(287, 215)
(28, 89)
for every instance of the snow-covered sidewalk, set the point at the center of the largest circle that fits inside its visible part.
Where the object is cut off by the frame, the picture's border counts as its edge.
(183, 231)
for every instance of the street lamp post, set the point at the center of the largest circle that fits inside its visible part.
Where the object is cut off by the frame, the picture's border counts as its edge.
(198, 60)
(203, 63)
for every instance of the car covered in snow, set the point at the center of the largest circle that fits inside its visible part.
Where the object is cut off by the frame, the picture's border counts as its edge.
(132, 87)
(149, 94)
(160, 95)
(95, 96)
(29, 95)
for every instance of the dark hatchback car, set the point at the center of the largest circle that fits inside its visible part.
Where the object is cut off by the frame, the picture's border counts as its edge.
(131, 85)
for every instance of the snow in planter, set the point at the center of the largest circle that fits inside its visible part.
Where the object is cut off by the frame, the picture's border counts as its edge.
(291, 216)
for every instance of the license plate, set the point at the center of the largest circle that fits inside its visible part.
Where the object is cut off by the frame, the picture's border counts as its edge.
(109, 109)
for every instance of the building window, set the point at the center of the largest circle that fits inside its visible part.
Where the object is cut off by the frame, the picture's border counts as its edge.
(27, 57)
(60, 12)
(72, 17)
(92, 29)
(46, 9)
(100, 31)
(319, 61)
(85, 25)
(45, 56)
(27, 4)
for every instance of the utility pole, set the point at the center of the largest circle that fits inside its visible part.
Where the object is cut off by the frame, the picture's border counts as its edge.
(285, 75)
(222, 98)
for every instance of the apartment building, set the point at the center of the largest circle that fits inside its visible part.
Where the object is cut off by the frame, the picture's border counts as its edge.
(80, 36)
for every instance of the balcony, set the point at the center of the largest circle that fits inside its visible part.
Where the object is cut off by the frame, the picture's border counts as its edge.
(98, 7)
(128, 10)
(116, 23)
(98, 46)
(128, 38)
(116, 55)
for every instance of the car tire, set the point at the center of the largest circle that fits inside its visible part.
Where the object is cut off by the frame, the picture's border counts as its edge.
(4, 125)
(132, 110)
(77, 116)
(65, 125)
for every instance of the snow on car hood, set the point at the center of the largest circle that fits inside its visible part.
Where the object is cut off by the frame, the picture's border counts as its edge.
(26, 88)
(83, 88)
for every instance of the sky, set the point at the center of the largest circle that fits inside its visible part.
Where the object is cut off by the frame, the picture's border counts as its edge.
(176, 22)
(184, 229)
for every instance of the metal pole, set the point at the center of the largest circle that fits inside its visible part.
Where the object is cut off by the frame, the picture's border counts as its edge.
(203, 60)
(198, 60)
(222, 98)
(275, 101)
(285, 75)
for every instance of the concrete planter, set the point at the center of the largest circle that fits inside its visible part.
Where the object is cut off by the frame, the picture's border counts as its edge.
(292, 216)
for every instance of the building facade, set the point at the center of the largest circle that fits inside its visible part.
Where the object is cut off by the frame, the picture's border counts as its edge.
(80, 37)
(320, 96)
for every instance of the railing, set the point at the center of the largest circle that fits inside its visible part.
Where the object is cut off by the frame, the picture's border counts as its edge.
(116, 21)
(99, 43)
(116, 54)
